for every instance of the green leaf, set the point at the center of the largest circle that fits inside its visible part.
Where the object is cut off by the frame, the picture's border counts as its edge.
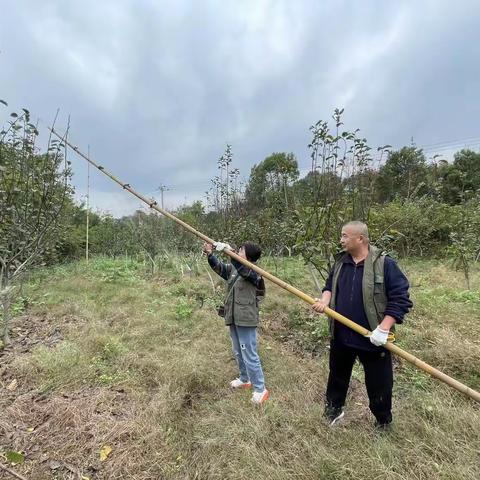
(14, 457)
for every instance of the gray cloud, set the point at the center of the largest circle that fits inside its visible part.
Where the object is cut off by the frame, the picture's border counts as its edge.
(158, 88)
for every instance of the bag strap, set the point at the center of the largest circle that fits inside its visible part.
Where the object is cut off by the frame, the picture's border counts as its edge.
(231, 288)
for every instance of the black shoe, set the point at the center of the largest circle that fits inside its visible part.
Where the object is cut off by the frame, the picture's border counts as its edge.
(333, 415)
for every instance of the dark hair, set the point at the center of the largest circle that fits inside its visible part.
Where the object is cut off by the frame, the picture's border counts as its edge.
(252, 251)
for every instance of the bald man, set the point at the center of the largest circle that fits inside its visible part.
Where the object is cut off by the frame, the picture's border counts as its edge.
(367, 287)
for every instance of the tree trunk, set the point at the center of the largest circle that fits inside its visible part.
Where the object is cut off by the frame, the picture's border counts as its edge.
(466, 271)
(6, 318)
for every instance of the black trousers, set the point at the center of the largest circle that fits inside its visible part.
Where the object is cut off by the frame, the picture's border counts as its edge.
(378, 378)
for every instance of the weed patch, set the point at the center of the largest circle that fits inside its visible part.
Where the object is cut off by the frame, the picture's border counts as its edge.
(107, 355)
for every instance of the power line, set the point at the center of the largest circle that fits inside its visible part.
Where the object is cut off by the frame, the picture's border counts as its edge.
(450, 142)
(452, 147)
(428, 149)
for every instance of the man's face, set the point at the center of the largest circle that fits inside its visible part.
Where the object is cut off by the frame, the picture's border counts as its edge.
(351, 240)
(241, 253)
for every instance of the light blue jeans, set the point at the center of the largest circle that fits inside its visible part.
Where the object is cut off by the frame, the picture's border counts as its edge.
(244, 343)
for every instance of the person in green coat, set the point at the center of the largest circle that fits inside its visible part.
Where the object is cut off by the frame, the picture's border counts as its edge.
(245, 290)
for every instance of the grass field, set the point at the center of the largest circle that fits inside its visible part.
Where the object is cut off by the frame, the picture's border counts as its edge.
(105, 356)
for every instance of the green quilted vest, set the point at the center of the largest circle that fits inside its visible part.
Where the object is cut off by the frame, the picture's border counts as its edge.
(373, 286)
(241, 305)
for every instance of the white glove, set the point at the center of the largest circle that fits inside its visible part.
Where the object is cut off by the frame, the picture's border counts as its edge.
(220, 247)
(379, 337)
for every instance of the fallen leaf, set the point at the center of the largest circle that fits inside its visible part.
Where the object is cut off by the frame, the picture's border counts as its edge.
(105, 452)
(13, 385)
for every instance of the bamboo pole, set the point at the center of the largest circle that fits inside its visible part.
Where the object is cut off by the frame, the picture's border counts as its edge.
(295, 291)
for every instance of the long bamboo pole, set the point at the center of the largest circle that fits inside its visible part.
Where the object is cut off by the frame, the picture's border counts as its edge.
(307, 298)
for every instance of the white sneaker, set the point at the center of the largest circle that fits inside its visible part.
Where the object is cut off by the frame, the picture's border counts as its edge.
(259, 398)
(237, 383)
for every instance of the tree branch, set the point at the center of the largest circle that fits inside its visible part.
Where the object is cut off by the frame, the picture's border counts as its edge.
(11, 472)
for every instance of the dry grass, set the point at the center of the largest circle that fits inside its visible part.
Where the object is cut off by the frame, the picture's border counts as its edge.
(135, 364)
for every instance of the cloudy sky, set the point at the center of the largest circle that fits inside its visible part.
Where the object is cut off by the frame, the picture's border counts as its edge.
(157, 88)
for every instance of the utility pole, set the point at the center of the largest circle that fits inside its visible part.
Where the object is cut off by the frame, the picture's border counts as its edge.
(88, 205)
(162, 188)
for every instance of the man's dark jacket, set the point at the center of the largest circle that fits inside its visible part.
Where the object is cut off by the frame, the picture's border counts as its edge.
(349, 299)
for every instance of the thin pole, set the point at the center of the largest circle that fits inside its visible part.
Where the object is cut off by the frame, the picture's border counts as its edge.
(307, 298)
(88, 206)
(162, 189)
